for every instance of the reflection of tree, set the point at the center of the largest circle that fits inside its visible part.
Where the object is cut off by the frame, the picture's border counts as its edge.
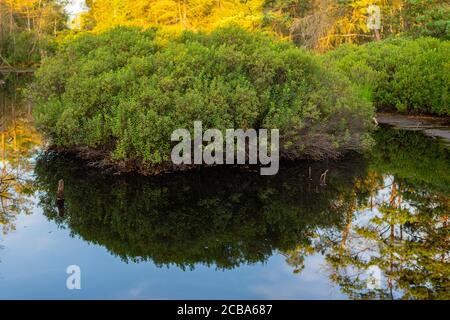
(406, 235)
(349, 203)
(18, 140)
(218, 216)
(408, 242)
(422, 243)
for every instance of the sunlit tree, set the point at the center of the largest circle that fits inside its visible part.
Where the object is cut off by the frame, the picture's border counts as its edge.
(176, 14)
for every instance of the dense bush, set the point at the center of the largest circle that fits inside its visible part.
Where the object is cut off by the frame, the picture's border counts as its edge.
(125, 91)
(400, 74)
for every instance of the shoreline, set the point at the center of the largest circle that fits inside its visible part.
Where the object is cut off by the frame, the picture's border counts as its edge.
(103, 162)
(432, 126)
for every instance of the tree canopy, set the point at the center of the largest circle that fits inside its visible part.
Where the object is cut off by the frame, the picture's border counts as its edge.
(315, 24)
(28, 29)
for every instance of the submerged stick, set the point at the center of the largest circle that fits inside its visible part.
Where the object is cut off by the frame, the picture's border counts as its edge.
(323, 178)
(60, 192)
(60, 198)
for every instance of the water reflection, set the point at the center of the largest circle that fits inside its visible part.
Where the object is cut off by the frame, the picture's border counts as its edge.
(387, 210)
(18, 142)
(406, 235)
(221, 217)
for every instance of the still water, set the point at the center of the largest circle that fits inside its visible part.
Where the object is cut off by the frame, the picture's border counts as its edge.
(378, 228)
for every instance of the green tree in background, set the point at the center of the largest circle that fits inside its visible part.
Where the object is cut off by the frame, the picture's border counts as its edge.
(28, 29)
(427, 18)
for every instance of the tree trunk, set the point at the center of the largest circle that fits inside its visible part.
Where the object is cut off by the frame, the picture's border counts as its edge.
(376, 35)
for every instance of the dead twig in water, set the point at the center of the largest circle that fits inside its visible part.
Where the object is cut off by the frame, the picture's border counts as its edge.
(323, 178)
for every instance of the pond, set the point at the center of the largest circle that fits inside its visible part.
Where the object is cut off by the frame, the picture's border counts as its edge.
(378, 228)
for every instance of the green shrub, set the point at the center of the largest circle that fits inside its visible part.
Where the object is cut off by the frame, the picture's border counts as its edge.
(400, 74)
(125, 91)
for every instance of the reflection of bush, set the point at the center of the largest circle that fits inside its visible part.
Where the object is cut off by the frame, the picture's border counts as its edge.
(213, 216)
(411, 156)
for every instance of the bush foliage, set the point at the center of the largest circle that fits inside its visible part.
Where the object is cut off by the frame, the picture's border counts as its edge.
(400, 74)
(126, 90)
